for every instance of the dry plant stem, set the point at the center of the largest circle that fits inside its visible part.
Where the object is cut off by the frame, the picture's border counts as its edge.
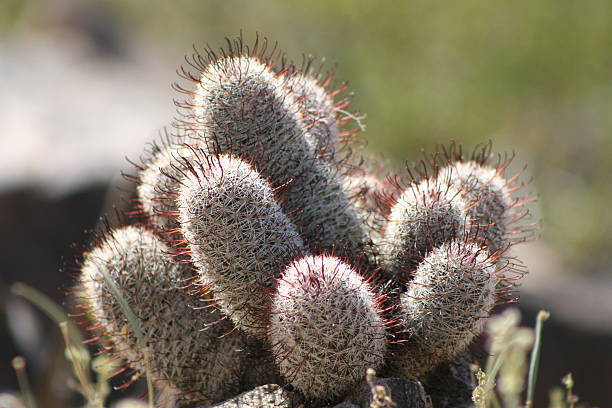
(80, 360)
(19, 365)
(381, 397)
(570, 398)
(75, 349)
(508, 344)
(48, 307)
(543, 315)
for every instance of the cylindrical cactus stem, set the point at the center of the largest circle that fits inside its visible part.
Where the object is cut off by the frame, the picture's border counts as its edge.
(319, 114)
(158, 183)
(452, 294)
(366, 183)
(189, 358)
(426, 215)
(499, 217)
(326, 327)
(241, 107)
(238, 236)
(488, 198)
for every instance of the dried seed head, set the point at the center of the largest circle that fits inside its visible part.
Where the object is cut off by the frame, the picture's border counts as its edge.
(189, 358)
(239, 238)
(326, 327)
(446, 305)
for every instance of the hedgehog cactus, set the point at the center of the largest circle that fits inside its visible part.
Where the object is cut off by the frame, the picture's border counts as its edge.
(326, 327)
(188, 365)
(308, 267)
(239, 238)
(447, 302)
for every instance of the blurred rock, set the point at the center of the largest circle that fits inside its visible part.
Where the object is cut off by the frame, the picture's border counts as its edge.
(69, 118)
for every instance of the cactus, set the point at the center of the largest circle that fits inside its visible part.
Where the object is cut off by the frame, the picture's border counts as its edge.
(326, 327)
(189, 363)
(425, 216)
(451, 295)
(242, 107)
(239, 238)
(158, 182)
(309, 267)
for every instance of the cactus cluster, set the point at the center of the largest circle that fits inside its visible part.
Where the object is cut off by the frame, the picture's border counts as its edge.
(263, 251)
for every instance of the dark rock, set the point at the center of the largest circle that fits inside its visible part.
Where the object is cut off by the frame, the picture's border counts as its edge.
(450, 385)
(404, 394)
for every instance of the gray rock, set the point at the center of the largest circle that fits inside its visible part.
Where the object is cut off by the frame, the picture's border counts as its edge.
(269, 396)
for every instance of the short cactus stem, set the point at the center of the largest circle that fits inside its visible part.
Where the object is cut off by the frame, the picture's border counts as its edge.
(326, 327)
(319, 114)
(238, 237)
(426, 215)
(447, 303)
(488, 199)
(159, 180)
(499, 215)
(196, 356)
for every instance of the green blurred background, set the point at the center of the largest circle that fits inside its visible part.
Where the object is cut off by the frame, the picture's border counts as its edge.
(534, 77)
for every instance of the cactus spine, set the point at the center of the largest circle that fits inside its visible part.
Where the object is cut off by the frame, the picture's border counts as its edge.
(488, 197)
(426, 215)
(158, 183)
(446, 305)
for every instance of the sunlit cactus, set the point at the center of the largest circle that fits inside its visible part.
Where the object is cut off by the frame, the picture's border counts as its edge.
(303, 264)
(238, 236)
(158, 182)
(283, 125)
(318, 112)
(326, 327)
(498, 216)
(452, 293)
(426, 215)
(194, 355)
